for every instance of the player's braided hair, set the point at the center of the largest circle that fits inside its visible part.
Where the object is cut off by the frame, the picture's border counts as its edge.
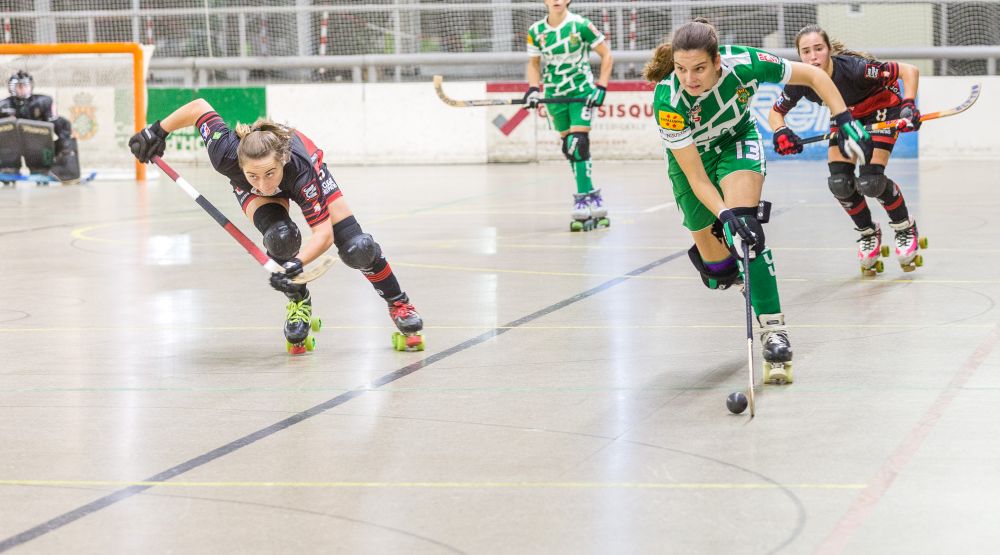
(262, 138)
(694, 35)
(835, 46)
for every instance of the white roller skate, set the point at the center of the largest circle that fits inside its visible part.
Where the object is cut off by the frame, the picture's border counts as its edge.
(869, 247)
(598, 211)
(582, 220)
(908, 244)
(776, 348)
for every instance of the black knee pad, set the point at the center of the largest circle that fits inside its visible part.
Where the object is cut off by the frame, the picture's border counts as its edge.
(749, 215)
(576, 146)
(713, 280)
(356, 249)
(841, 180)
(872, 182)
(282, 238)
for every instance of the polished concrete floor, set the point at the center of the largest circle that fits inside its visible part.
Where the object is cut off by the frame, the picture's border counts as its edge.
(571, 398)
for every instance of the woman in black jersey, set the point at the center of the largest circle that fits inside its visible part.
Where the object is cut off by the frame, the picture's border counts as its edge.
(268, 165)
(870, 89)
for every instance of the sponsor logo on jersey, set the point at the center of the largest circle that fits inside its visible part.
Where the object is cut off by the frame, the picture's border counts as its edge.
(83, 116)
(593, 29)
(695, 114)
(670, 120)
(217, 135)
(765, 57)
(574, 39)
(672, 136)
(871, 71)
(310, 191)
(203, 130)
(742, 95)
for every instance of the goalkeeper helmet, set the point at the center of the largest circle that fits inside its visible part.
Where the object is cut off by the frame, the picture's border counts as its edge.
(20, 84)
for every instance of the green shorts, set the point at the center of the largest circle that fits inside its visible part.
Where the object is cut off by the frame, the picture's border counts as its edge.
(744, 154)
(564, 116)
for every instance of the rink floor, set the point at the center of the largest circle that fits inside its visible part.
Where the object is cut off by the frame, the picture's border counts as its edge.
(571, 398)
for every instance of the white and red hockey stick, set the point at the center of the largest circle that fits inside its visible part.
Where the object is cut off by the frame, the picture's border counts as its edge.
(315, 270)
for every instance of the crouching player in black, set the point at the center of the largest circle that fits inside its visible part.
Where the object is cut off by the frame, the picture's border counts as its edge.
(869, 87)
(267, 165)
(36, 138)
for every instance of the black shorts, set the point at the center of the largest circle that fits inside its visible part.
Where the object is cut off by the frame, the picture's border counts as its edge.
(884, 139)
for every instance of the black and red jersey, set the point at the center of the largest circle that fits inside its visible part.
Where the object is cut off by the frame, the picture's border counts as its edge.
(866, 85)
(305, 180)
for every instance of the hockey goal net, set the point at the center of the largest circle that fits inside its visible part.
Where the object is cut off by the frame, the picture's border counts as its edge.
(99, 87)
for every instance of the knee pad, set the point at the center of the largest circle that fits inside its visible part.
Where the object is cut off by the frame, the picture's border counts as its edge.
(872, 182)
(576, 147)
(282, 238)
(357, 249)
(749, 215)
(714, 280)
(841, 180)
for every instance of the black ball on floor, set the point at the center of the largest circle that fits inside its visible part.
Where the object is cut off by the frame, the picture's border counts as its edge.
(736, 402)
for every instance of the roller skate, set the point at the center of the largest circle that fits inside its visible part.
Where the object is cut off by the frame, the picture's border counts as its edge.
(908, 244)
(777, 350)
(409, 337)
(869, 247)
(581, 213)
(598, 211)
(299, 321)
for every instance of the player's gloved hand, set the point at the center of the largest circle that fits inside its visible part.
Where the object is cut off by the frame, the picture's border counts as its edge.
(786, 142)
(531, 97)
(282, 281)
(908, 111)
(149, 142)
(853, 139)
(596, 98)
(736, 227)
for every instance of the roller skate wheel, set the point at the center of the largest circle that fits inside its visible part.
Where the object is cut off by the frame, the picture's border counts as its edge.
(316, 323)
(879, 267)
(777, 373)
(909, 267)
(885, 251)
(867, 272)
(415, 342)
(918, 260)
(922, 242)
(576, 226)
(604, 222)
(310, 343)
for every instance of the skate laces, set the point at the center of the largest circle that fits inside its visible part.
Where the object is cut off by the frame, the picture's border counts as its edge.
(401, 310)
(904, 237)
(299, 311)
(869, 242)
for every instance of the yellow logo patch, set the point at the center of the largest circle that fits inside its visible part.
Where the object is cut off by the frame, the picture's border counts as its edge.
(670, 120)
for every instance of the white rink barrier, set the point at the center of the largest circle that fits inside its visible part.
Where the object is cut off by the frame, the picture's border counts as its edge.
(405, 123)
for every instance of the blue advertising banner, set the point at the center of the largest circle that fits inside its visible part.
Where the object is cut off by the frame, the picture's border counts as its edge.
(809, 119)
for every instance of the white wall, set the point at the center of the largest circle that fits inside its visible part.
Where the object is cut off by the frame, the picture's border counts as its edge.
(383, 123)
(406, 123)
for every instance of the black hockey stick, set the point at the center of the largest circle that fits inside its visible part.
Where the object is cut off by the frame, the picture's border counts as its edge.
(746, 289)
(892, 124)
(496, 101)
(314, 271)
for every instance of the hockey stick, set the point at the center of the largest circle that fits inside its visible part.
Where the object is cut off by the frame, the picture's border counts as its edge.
(892, 124)
(315, 270)
(496, 101)
(746, 287)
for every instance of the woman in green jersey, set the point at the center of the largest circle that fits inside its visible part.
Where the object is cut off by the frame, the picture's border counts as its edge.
(716, 162)
(559, 49)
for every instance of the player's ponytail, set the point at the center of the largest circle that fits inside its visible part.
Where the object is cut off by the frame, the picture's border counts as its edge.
(695, 35)
(262, 138)
(836, 47)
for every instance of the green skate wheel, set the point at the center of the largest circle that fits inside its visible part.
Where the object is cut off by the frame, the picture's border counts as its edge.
(879, 267)
(398, 341)
(919, 260)
(310, 343)
(922, 242)
(316, 323)
(604, 222)
(576, 225)
(885, 251)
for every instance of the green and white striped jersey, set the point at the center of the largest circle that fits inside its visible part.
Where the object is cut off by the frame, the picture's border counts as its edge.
(565, 52)
(721, 115)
